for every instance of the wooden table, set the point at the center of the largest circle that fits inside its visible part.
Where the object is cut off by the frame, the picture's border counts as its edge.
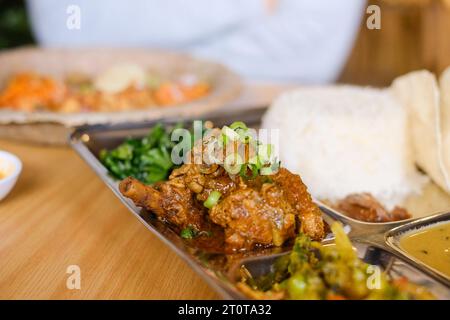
(61, 214)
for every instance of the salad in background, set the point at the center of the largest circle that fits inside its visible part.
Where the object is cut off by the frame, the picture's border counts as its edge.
(121, 87)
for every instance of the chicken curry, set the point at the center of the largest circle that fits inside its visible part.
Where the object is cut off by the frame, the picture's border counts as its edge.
(247, 210)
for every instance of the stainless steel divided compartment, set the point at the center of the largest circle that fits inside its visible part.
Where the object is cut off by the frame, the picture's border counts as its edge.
(375, 243)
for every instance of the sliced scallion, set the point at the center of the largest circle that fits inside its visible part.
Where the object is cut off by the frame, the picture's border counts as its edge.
(250, 167)
(233, 163)
(230, 133)
(188, 233)
(238, 124)
(212, 199)
(267, 171)
(265, 153)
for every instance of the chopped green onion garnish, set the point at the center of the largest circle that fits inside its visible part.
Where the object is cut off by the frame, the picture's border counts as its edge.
(212, 200)
(266, 171)
(188, 233)
(238, 124)
(265, 153)
(261, 163)
(244, 171)
(233, 163)
(230, 133)
(244, 135)
(223, 140)
(254, 160)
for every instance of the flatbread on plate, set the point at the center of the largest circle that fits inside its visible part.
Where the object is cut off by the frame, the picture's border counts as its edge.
(444, 83)
(419, 91)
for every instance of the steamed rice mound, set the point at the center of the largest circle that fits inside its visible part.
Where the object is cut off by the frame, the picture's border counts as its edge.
(344, 140)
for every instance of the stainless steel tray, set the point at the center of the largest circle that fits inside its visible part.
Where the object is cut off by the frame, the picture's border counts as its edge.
(219, 270)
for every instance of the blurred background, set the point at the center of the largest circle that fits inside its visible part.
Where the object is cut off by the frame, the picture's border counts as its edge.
(413, 35)
(273, 45)
(14, 26)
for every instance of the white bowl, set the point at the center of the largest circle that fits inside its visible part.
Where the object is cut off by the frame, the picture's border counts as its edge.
(10, 166)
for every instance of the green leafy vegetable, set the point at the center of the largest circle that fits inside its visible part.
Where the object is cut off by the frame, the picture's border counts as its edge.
(147, 159)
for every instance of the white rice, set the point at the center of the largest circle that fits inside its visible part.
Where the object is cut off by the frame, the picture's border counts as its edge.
(344, 140)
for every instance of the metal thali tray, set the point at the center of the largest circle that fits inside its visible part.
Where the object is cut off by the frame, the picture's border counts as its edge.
(374, 242)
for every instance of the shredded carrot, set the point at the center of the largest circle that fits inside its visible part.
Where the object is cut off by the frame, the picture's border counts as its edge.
(28, 91)
(196, 91)
(173, 93)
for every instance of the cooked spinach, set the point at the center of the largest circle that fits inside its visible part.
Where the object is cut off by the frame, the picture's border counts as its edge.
(146, 159)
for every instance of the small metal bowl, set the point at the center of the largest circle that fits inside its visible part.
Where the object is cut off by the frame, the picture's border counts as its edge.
(392, 239)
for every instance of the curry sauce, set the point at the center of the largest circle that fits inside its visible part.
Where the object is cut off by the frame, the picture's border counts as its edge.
(430, 245)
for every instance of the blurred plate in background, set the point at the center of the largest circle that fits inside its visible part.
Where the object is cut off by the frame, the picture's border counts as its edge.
(51, 127)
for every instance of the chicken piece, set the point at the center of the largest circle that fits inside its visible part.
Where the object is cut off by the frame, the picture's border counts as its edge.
(265, 211)
(171, 201)
(296, 193)
(255, 211)
(203, 179)
(249, 219)
(364, 207)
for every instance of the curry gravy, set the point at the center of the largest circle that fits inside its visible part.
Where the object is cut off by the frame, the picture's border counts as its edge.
(431, 245)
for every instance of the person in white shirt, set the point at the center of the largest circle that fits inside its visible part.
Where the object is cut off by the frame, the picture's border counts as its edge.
(304, 41)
